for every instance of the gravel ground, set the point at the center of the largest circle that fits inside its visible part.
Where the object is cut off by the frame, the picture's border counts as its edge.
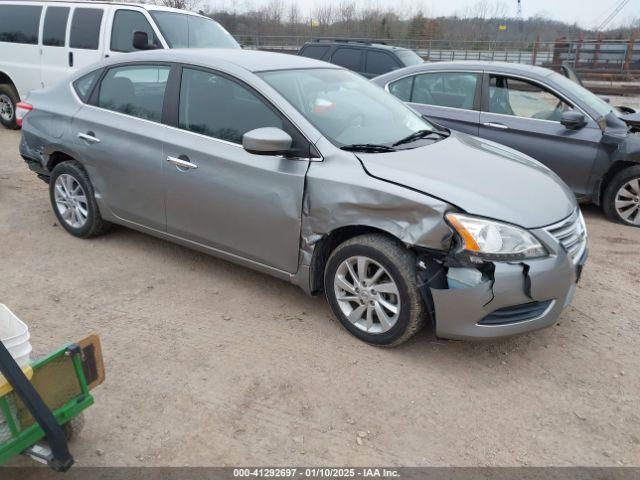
(209, 363)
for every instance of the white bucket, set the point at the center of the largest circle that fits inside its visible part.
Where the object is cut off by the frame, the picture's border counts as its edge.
(15, 336)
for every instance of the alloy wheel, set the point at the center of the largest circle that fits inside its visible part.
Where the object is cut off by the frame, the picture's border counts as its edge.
(71, 201)
(627, 201)
(6, 108)
(367, 294)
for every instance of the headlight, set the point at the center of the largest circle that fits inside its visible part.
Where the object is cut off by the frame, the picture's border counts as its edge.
(495, 240)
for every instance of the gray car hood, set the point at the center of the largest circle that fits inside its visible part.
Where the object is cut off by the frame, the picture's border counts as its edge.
(479, 176)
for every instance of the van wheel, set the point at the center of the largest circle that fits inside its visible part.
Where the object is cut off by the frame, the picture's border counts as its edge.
(371, 286)
(73, 201)
(9, 98)
(621, 199)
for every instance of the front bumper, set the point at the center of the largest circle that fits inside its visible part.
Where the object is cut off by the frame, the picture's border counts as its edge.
(494, 308)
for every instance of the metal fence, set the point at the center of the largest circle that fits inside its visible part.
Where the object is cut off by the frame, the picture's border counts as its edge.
(613, 56)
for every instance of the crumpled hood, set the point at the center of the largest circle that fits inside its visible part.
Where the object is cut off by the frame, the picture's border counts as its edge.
(479, 176)
(631, 119)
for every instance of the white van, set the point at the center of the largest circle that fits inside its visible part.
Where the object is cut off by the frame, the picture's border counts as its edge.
(41, 42)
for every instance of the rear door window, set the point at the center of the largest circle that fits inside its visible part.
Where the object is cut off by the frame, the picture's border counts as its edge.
(380, 62)
(314, 51)
(350, 58)
(20, 23)
(136, 90)
(85, 28)
(125, 23)
(55, 26)
(446, 89)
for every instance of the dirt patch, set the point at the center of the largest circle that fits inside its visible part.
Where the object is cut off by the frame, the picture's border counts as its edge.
(209, 363)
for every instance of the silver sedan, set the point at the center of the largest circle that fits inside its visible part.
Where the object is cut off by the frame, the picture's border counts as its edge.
(312, 174)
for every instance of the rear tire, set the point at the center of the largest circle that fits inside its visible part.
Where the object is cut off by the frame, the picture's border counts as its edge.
(371, 285)
(73, 201)
(621, 199)
(9, 98)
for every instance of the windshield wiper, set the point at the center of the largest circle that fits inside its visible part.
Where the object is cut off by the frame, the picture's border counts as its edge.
(420, 134)
(367, 147)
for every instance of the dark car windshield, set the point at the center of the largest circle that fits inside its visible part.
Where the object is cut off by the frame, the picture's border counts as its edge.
(345, 107)
(409, 57)
(182, 30)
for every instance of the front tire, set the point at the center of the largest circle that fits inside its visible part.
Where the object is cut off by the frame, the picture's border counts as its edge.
(371, 286)
(9, 98)
(73, 202)
(621, 199)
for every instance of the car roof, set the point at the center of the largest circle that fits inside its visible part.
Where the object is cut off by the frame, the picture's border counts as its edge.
(503, 67)
(354, 43)
(146, 6)
(250, 60)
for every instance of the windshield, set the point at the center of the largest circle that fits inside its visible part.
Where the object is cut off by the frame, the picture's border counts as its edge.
(585, 96)
(345, 107)
(409, 57)
(181, 30)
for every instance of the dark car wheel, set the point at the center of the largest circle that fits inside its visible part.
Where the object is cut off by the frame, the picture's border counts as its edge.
(73, 201)
(370, 283)
(8, 100)
(621, 199)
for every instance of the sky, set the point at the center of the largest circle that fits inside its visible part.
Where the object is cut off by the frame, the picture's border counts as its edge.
(587, 13)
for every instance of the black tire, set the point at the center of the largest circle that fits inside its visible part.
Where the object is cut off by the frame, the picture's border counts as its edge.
(400, 265)
(94, 224)
(9, 93)
(609, 197)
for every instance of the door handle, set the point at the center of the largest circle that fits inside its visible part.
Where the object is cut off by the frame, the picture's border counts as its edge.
(501, 126)
(179, 162)
(88, 137)
(71, 59)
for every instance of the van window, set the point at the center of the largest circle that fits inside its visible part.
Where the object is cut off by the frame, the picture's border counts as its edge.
(19, 23)
(85, 28)
(181, 30)
(55, 26)
(350, 58)
(125, 22)
(136, 90)
(314, 51)
(215, 106)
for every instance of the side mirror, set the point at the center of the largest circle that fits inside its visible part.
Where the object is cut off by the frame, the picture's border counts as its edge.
(573, 120)
(141, 41)
(267, 141)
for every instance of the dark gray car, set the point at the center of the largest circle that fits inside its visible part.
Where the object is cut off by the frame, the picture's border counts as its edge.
(312, 174)
(538, 112)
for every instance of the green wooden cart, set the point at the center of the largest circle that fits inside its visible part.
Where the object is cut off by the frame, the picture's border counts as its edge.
(41, 404)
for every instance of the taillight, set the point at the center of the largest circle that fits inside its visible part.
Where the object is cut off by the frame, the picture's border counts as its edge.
(22, 109)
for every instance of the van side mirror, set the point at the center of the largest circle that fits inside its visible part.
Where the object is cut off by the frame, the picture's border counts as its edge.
(573, 120)
(267, 141)
(141, 41)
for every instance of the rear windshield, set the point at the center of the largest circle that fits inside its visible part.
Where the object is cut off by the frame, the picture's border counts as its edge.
(409, 57)
(181, 30)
